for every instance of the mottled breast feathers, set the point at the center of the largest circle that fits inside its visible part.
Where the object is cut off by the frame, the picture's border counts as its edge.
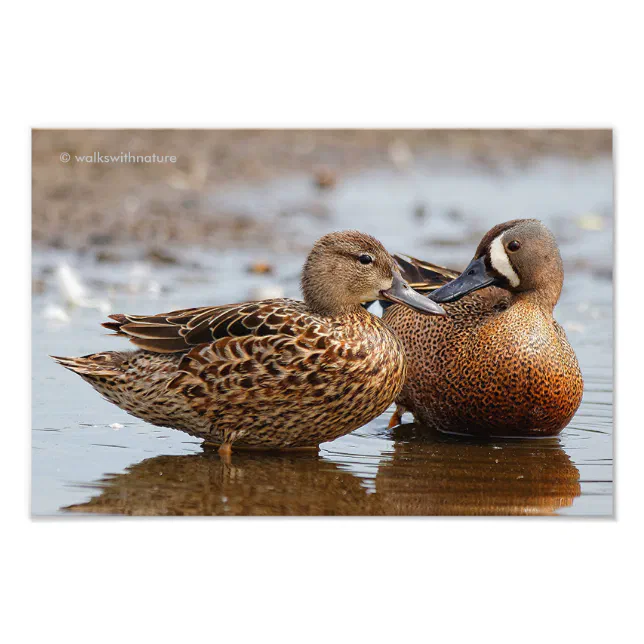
(497, 364)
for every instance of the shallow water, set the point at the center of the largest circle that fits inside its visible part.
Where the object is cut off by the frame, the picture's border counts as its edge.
(91, 457)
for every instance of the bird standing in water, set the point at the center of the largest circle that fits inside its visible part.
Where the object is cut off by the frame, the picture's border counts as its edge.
(498, 363)
(271, 374)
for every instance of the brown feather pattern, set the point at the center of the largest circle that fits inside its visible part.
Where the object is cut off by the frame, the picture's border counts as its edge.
(270, 374)
(178, 331)
(498, 363)
(424, 276)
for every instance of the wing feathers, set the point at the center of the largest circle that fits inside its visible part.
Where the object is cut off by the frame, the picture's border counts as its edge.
(424, 276)
(179, 331)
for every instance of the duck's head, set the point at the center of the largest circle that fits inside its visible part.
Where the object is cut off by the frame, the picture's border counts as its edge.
(345, 269)
(519, 256)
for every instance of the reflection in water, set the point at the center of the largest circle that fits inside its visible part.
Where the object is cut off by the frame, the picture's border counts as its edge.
(424, 475)
(254, 484)
(432, 474)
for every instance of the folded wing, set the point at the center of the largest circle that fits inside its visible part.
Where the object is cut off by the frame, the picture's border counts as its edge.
(179, 331)
(423, 276)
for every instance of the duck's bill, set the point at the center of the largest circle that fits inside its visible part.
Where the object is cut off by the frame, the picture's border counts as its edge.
(401, 293)
(473, 278)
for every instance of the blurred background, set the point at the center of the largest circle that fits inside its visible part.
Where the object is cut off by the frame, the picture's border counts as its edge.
(232, 218)
(81, 205)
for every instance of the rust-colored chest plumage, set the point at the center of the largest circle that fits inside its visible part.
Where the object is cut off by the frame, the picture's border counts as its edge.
(496, 365)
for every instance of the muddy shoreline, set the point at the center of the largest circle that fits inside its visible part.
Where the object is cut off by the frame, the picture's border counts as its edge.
(79, 205)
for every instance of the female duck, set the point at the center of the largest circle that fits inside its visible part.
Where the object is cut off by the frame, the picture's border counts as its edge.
(271, 374)
(498, 363)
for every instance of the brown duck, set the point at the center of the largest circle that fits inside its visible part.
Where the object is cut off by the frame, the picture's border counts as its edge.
(271, 374)
(498, 363)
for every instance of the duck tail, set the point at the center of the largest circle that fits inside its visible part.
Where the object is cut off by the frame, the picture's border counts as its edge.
(119, 321)
(424, 276)
(95, 365)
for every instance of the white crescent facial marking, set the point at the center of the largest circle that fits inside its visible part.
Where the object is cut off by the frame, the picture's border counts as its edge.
(501, 263)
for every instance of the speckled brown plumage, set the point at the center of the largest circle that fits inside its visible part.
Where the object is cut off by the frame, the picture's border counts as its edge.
(294, 380)
(498, 363)
(271, 374)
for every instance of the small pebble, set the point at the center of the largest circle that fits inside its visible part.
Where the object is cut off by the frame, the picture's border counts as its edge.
(37, 286)
(108, 257)
(160, 256)
(116, 426)
(420, 211)
(325, 179)
(260, 268)
(455, 214)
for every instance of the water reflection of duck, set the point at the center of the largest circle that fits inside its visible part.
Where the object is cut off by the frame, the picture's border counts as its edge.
(427, 474)
(252, 484)
(434, 474)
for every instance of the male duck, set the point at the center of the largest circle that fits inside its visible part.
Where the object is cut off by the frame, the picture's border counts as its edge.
(271, 374)
(498, 363)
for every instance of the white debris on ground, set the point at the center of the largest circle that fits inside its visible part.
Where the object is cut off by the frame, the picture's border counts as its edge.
(268, 292)
(574, 327)
(70, 292)
(74, 292)
(55, 313)
(116, 426)
(140, 280)
(69, 284)
(590, 221)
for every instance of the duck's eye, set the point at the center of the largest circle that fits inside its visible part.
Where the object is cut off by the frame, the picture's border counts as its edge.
(514, 245)
(365, 259)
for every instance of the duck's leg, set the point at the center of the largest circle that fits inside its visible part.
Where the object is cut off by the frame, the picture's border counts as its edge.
(396, 418)
(225, 451)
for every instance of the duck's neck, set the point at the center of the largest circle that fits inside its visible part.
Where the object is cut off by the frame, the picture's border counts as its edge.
(327, 297)
(544, 299)
(337, 311)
